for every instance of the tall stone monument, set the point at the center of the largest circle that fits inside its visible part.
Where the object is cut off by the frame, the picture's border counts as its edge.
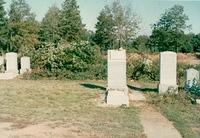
(117, 90)
(11, 63)
(168, 68)
(25, 65)
(192, 77)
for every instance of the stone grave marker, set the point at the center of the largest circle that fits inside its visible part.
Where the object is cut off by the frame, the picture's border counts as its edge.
(25, 65)
(117, 90)
(168, 69)
(11, 63)
(192, 77)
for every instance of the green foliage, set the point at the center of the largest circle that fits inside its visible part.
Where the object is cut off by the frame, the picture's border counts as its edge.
(194, 90)
(49, 30)
(195, 43)
(143, 69)
(139, 44)
(70, 24)
(22, 27)
(73, 61)
(104, 30)
(3, 27)
(116, 27)
(168, 32)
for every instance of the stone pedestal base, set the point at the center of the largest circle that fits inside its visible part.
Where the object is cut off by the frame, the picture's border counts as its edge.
(117, 97)
(163, 88)
(22, 71)
(12, 71)
(8, 76)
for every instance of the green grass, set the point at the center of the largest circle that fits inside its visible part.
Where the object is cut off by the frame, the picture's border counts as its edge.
(72, 102)
(178, 109)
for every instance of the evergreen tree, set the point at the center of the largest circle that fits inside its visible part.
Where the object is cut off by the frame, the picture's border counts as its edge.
(49, 31)
(104, 35)
(22, 27)
(71, 27)
(3, 25)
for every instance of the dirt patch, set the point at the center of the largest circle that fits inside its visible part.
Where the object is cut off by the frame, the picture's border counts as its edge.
(43, 130)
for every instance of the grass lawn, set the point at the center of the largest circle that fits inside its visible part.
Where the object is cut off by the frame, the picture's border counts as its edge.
(178, 109)
(74, 103)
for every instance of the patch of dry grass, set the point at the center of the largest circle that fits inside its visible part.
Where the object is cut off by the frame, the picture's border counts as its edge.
(71, 102)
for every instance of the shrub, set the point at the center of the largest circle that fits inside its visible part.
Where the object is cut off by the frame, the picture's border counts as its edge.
(143, 69)
(68, 61)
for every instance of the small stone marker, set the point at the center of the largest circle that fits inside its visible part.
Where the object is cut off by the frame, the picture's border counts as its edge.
(1, 60)
(11, 63)
(117, 84)
(168, 66)
(25, 65)
(192, 77)
(2, 64)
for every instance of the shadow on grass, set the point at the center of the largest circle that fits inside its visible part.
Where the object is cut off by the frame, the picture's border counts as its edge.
(93, 86)
(155, 90)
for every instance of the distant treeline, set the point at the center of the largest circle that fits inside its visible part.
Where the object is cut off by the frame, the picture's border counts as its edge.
(61, 43)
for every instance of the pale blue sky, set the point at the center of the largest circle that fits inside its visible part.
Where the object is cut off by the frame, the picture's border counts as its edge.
(148, 10)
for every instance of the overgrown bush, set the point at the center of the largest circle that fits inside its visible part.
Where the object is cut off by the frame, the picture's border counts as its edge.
(68, 61)
(143, 69)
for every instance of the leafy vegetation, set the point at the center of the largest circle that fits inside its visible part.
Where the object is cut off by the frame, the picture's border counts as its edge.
(61, 47)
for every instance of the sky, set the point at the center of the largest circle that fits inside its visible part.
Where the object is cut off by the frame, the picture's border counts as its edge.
(148, 10)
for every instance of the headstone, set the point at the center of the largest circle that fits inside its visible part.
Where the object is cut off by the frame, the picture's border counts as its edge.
(192, 77)
(2, 64)
(168, 67)
(117, 90)
(25, 65)
(1, 60)
(11, 63)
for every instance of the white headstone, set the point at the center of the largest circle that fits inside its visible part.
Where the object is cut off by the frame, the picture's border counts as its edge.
(117, 83)
(11, 63)
(25, 65)
(192, 77)
(1, 60)
(168, 67)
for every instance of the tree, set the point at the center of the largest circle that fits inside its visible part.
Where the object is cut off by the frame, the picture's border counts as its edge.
(139, 44)
(195, 43)
(3, 25)
(22, 28)
(49, 30)
(168, 32)
(71, 27)
(116, 27)
(104, 35)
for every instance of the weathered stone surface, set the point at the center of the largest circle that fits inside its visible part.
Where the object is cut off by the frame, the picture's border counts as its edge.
(168, 67)
(192, 77)
(1, 60)
(117, 83)
(8, 76)
(25, 65)
(11, 63)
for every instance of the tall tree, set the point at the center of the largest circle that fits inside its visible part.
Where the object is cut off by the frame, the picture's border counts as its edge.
(71, 27)
(168, 32)
(22, 27)
(3, 25)
(104, 35)
(49, 30)
(118, 24)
